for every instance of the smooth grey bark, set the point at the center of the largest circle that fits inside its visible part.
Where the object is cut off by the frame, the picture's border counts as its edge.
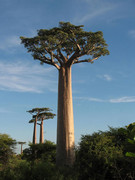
(21, 143)
(41, 137)
(65, 123)
(35, 131)
(21, 148)
(41, 133)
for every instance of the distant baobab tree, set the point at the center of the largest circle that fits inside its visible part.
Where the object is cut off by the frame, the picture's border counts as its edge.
(41, 117)
(63, 47)
(21, 143)
(35, 112)
(40, 114)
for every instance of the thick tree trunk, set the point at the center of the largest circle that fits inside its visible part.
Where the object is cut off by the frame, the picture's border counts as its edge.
(41, 133)
(65, 122)
(21, 149)
(35, 132)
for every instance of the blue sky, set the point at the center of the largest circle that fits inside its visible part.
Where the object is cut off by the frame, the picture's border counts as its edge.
(103, 92)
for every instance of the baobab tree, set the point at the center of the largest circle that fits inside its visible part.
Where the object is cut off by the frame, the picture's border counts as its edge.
(35, 113)
(63, 47)
(20, 142)
(41, 117)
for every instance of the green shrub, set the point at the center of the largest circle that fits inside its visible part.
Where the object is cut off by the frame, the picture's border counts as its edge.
(45, 151)
(7, 145)
(101, 156)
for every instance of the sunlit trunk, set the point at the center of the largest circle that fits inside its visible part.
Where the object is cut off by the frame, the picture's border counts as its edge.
(65, 122)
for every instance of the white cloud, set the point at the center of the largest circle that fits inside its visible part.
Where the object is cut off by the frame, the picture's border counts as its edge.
(106, 77)
(26, 77)
(9, 42)
(125, 99)
(95, 99)
(95, 9)
(90, 99)
(94, 14)
(132, 33)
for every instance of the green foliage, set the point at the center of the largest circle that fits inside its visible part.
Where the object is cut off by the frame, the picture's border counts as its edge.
(21, 142)
(16, 170)
(44, 116)
(129, 154)
(45, 151)
(41, 114)
(7, 145)
(101, 156)
(38, 163)
(37, 110)
(131, 140)
(66, 44)
(24, 170)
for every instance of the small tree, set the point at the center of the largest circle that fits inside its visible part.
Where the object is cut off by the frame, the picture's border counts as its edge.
(21, 143)
(130, 144)
(63, 47)
(45, 151)
(7, 146)
(35, 112)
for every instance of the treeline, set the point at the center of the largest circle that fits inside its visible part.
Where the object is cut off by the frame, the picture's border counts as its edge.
(99, 156)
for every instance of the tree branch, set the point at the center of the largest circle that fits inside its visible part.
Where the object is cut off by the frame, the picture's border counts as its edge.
(49, 62)
(77, 55)
(86, 60)
(54, 55)
(45, 59)
(62, 56)
(73, 57)
(94, 47)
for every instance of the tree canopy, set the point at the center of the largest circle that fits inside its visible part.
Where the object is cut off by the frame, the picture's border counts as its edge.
(65, 45)
(43, 116)
(7, 145)
(38, 110)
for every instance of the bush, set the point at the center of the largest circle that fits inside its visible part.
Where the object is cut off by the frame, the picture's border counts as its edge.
(101, 156)
(7, 145)
(46, 152)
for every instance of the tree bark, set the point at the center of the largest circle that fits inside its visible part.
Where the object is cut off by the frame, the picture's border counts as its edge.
(21, 149)
(35, 131)
(65, 122)
(41, 133)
